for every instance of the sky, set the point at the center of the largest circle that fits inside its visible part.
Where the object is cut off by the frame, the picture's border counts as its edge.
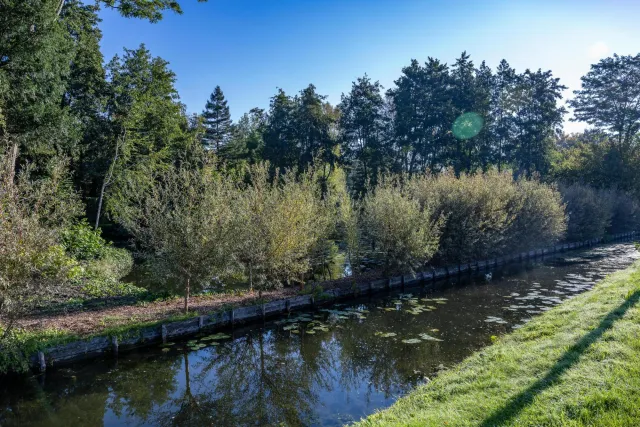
(250, 48)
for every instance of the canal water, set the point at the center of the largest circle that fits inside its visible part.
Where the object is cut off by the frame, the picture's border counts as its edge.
(324, 368)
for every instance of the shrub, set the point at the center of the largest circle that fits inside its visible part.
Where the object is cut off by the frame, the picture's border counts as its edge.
(283, 222)
(478, 211)
(402, 233)
(589, 211)
(539, 216)
(626, 213)
(33, 265)
(83, 242)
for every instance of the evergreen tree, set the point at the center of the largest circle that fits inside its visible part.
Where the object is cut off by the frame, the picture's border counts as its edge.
(314, 124)
(247, 141)
(538, 120)
(281, 148)
(149, 129)
(362, 132)
(503, 108)
(217, 121)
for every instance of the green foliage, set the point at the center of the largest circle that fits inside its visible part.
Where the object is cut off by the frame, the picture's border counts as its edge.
(33, 265)
(400, 229)
(185, 224)
(144, 9)
(488, 214)
(217, 121)
(589, 211)
(539, 216)
(610, 98)
(283, 222)
(82, 242)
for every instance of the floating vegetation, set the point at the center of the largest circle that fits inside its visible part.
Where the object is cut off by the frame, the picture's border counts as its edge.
(427, 337)
(390, 309)
(385, 334)
(494, 319)
(218, 336)
(434, 330)
(412, 341)
(169, 344)
(310, 332)
(166, 349)
(290, 327)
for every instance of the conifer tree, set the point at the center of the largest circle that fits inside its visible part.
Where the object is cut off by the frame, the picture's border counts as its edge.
(217, 121)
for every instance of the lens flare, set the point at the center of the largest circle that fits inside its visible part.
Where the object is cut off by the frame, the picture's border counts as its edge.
(467, 125)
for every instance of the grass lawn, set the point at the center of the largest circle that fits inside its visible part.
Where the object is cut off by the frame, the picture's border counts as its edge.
(575, 365)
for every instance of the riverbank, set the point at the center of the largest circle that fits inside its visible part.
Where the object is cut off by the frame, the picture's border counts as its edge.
(576, 364)
(46, 341)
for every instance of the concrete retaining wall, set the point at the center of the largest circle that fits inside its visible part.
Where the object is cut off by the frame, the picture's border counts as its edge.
(78, 350)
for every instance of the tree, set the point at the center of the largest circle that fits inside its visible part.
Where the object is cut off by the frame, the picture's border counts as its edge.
(283, 219)
(33, 263)
(185, 224)
(148, 127)
(217, 121)
(401, 231)
(503, 109)
(144, 9)
(610, 98)
(314, 121)
(246, 145)
(362, 131)
(281, 149)
(538, 120)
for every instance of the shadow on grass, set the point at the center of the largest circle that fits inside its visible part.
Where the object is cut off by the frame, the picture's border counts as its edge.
(512, 408)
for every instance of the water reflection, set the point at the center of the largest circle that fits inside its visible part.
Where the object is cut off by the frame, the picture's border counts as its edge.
(273, 376)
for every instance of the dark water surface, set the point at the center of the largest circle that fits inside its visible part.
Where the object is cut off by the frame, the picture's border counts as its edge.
(350, 365)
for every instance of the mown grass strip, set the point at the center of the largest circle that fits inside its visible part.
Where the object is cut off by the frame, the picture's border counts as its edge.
(575, 365)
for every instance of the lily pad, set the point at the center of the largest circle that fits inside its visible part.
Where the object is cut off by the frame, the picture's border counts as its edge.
(310, 332)
(412, 341)
(295, 331)
(426, 337)
(290, 327)
(164, 350)
(386, 334)
(389, 309)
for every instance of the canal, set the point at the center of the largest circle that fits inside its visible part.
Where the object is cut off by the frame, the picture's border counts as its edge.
(322, 368)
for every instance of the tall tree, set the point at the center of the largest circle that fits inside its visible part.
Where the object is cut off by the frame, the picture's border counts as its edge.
(362, 131)
(281, 148)
(148, 126)
(314, 121)
(217, 121)
(538, 119)
(502, 112)
(247, 141)
(610, 98)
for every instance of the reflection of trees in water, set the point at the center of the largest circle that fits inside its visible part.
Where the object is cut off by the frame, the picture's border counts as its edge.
(385, 365)
(262, 380)
(131, 389)
(26, 403)
(138, 389)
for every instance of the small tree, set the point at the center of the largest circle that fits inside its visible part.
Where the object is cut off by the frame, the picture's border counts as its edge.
(184, 225)
(282, 222)
(400, 230)
(33, 265)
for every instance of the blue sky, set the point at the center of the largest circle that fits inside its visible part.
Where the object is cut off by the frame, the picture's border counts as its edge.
(250, 48)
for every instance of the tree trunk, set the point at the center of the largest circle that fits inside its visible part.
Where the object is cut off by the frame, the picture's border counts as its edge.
(186, 295)
(107, 178)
